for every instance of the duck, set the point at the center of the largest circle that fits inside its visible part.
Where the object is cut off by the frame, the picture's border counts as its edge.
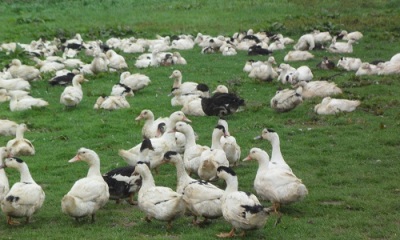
(15, 84)
(115, 60)
(317, 89)
(221, 89)
(332, 106)
(88, 194)
(25, 197)
(229, 145)
(326, 64)
(286, 99)
(188, 87)
(193, 151)
(120, 88)
(356, 35)
(62, 80)
(277, 185)
(8, 127)
(221, 104)
(19, 70)
(111, 102)
(341, 47)
(99, 63)
(202, 198)
(72, 95)
(135, 81)
(24, 102)
(20, 146)
(4, 184)
(180, 99)
(298, 55)
(277, 159)
(264, 72)
(213, 157)
(152, 128)
(285, 70)
(122, 183)
(148, 60)
(138, 153)
(161, 203)
(241, 209)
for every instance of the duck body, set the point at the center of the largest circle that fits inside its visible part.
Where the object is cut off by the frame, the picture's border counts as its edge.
(135, 81)
(25, 197)
(318, 89)
(277, 184)
(7, 127)
(72, 95)
(88, 194)
(20, 146)
(122, 183)
(332, 106)
(221, 104)
(22, 103)
(4, 184)
(286, 100)
(161, 203)
(111, 102)
(202, 198)
(242, 210)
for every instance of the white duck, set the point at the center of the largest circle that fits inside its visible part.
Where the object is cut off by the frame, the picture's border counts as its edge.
(72, 95)
(120, 88)
(341, 47)
(135, 81)
(214, 157)
(193, 151)
(25, 197)
(264, 72)
(139, 153)
(286, 99)
(7, 127)
(15, 84)
(277, 185)
(88, 194)
(187, 87)
(99, 63)
(318, 89)
(161, 203)
(152, 128)
(277, 159)
(202, 199)
(111, 102)
(332, 106)
(243, 210)
(356, 35)
(20, 146)
(19, 70)
(20, 102)
(229, 145)
(4, 184)
(115, 60)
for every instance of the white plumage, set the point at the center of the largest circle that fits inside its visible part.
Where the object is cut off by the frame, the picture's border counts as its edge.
(25, 197)
(20, 146)
(88, 194)
(72, 95)
(332, 106)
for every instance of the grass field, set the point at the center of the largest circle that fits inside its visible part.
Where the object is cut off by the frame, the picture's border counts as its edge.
(349, 162)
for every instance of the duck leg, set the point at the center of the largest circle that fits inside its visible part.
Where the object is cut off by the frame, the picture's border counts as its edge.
(147, 219)
(276, 207)
(11, 222)
(27, 220)
(227, 235)
(131, 201)
(93, 218)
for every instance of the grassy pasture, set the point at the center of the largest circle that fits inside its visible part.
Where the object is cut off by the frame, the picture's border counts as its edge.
(349, 162)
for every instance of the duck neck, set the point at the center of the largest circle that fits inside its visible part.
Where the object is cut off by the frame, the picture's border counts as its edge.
(25, 174)
(216, 141)
(147, 180)
(276, 149)
(232, 184)
(19, 134)
(182, 176)
(190, 139)
(76, 83)
(177, 82)
(263, 161)
(94, 169)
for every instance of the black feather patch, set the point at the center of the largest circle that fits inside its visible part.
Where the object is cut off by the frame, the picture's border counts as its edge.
(146, 144)
(253, 209)
(169, 154)
(226, 169)
(202, 87)
(18, 159)
(221, 127)
(12, 198)
(270, 130)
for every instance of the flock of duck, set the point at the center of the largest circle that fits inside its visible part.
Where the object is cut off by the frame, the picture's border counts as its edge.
(172, 139)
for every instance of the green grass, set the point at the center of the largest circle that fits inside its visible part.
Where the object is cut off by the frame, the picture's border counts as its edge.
(349, 162)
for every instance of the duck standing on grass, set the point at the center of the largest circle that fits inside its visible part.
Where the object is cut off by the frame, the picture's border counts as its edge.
(88, 194)
(25, 197)
(243, 210)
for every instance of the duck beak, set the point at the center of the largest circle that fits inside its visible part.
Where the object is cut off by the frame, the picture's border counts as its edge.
(248, 158)
(185, 119)
(257, 138)
(138, 117)
(75, 159)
